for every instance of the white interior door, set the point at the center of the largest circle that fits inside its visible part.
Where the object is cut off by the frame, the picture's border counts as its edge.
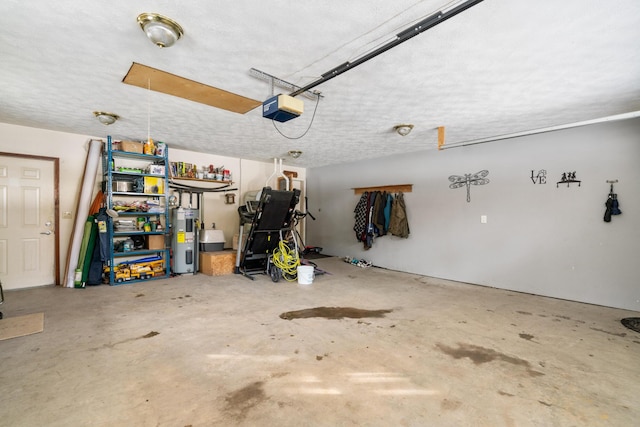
(27, 222)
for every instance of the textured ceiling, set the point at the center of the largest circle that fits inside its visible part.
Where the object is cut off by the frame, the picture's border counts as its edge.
(502, 66)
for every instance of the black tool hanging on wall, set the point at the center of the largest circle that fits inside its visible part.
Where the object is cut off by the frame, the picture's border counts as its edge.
(612, 205)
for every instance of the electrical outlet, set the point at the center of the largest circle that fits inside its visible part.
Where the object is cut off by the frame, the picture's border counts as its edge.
(483, 219)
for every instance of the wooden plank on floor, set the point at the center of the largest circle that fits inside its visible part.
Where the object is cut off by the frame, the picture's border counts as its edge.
(19, 326)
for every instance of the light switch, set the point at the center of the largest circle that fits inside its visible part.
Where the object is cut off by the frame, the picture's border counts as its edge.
(66, 215)
(483, 219)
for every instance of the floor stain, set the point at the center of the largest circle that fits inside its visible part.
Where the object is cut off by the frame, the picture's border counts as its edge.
(504, 393)
(279, 374)
(150, 334)
(479, 355)
(333, 313)
(621, 334)
(240, 402)
(450, 405)
(527, 337)
(525, 313)
(112, 345)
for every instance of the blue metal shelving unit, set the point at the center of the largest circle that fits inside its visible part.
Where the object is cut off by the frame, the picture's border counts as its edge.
(111, 174)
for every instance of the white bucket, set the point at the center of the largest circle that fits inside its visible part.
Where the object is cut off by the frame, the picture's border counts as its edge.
(305, 274)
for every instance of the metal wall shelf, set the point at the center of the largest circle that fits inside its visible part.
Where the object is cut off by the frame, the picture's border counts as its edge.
(110, 174)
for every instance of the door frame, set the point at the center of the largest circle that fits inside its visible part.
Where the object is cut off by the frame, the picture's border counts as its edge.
(56, 205)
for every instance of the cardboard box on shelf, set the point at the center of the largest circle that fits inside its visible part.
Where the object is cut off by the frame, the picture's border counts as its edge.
(156, 169)
(131, 146)
(217, 263)
(154, 241)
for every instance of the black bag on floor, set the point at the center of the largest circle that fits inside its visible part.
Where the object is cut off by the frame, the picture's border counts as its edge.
(95, 268)
(100, 250)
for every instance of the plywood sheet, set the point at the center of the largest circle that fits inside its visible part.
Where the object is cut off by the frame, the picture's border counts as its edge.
(20, 326)
(161, 81)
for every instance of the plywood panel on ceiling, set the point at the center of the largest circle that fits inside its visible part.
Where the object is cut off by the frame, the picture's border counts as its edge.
(161, 81)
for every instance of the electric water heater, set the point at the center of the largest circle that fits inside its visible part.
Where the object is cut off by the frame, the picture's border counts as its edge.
(184, 240)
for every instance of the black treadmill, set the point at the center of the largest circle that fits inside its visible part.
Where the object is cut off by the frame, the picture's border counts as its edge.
(270, 218)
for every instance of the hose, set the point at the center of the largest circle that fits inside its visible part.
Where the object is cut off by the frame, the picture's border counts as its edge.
(287, 260)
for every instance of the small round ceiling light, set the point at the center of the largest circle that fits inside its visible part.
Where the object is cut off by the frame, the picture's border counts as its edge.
(295, 153)
(106, 118)
(403, 129)
(162, 31)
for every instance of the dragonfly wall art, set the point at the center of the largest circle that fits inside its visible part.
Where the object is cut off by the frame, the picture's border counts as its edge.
(478, 178)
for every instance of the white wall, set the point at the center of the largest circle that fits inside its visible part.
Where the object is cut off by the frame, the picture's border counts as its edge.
(71, 149)
(538, 239)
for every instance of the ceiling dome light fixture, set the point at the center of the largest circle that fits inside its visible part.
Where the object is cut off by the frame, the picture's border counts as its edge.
(106, 118)
(295, 153)
(162, 31)
(403, 129)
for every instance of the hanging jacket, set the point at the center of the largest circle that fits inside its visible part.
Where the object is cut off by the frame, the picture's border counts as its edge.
(399, 224)
(615, 206)
(387, 212)
(371, 229)
(607, 213)
(361, 215)
(378, 213)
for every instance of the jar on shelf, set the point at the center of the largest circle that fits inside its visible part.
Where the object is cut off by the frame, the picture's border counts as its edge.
(127, 245)
(149, 147)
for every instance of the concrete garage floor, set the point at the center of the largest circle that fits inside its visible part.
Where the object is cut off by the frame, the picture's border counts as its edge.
(214, 351)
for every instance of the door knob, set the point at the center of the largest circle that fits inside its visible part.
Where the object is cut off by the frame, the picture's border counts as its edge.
(46, 232)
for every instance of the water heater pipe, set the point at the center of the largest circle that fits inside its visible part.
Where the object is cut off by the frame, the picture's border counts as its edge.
(275, 168)
(277, 171)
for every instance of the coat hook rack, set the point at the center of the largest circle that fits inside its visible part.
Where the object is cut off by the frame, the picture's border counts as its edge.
(405, 188)
(568, 178)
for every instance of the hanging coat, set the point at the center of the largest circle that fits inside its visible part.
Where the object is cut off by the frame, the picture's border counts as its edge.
(361, 214)
(399, 224)
(378, 213)
(607, 213)
(615, 206)
(387, 212)
(371, 229)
